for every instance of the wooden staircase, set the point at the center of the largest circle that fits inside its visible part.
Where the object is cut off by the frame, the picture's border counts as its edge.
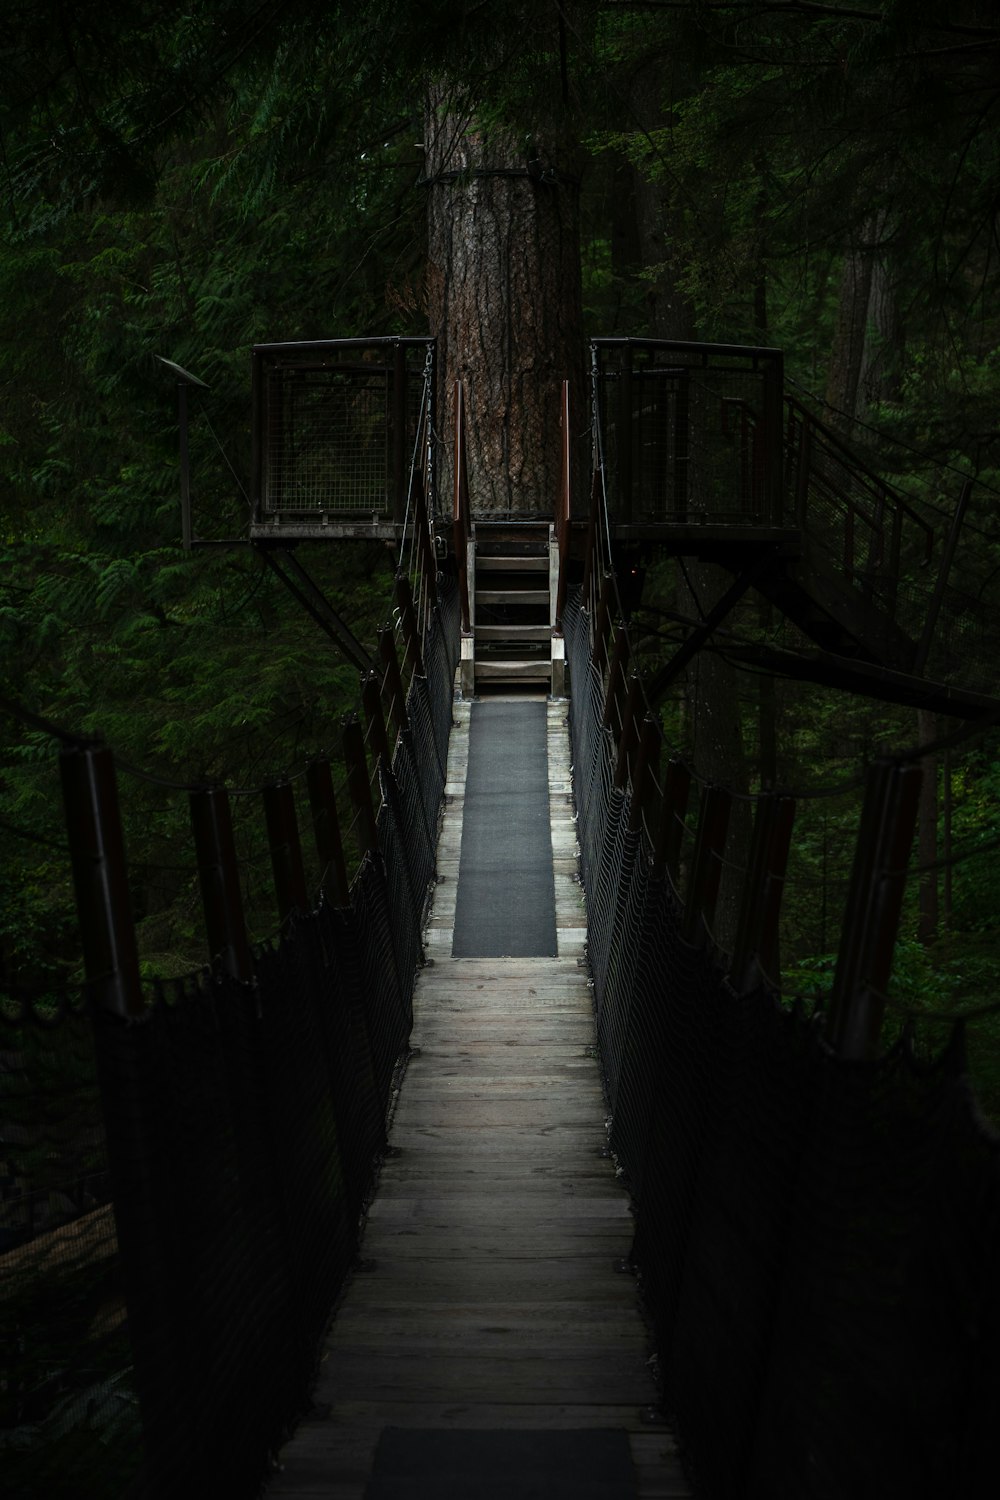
(512, 606)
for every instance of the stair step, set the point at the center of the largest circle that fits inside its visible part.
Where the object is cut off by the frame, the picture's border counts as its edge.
(513, 633)
(487, 564)
(536, 671)
(512, 596)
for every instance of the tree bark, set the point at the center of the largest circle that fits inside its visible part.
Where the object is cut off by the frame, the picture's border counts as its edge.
(504, 298)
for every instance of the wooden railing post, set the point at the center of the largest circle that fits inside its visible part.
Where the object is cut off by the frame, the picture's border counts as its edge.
(650, 738)
(359, 788)
(393, 678)
(670, 828)
(100, 880)
(706, 864)
(371, 702)
(756, 944)
(425, 542)
(286, 850)
(599, 645)
(874, 904)
(617, 678)
(408, 620)
(326, 830)
(628, 733)
(219, 880)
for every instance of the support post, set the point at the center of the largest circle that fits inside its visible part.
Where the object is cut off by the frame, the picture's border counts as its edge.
(413, 658)
(426, 546)
(219, 879)
(628, 734)
(100, 880)
(326, 830)
(371, 702)
(756, 946)
(645, 771)
(614, 701)
(599, 647)
(393, 678)
(286, 850)
(625, 435)
(706, 865)
(399, 434)
(874, 903)
(670, 828)
(360, 788)
(590, 547)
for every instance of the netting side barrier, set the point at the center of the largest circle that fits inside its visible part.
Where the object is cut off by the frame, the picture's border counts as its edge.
(815, 1238)
(198, 1172)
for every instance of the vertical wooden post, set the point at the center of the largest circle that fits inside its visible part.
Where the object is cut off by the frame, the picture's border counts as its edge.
(625, 436)
(371, 701)
(599, 647)
(219, 879)
(645, 771)
(424, 541)
(756, 945)
(326, 829)
(100, 880)
(408, 619)
(706, 865)
(590, 547)
(398, 434)
(874, 903)
(628, 733)
(286, 850)
(393, 678)
(614, 702)
(670, 828)
(360, 787)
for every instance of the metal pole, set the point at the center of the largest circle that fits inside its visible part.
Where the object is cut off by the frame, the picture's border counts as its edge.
(100, 880)
(219, 879)
(326, 829)
(286, 850)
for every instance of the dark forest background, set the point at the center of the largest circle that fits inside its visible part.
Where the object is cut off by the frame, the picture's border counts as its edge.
(187, 181)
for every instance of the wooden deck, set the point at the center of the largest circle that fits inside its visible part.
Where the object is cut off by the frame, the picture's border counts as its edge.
(490, 1296)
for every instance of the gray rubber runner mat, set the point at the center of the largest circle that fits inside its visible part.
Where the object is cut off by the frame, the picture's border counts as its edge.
(490, 1465)
(505, 905)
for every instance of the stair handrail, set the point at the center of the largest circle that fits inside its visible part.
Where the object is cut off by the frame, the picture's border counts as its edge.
(461, 517)
(885, 512)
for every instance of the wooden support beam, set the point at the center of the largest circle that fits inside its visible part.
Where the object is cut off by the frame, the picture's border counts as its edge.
(874, 904)
(100, 878)
(756, 945)
(359, 788)
(643, 782)
(286, 850)
(425, 543)
(413, 659)
(371, 702)
(629, 733)
(706, 865)
(219, 880)
(614, 702)
(724, 606)
(599, 645)
(670, 828)
(326, 830)
(393, 678)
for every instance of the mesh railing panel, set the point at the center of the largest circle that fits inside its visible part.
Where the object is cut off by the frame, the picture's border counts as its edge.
(816, 1240)
(181, 1194)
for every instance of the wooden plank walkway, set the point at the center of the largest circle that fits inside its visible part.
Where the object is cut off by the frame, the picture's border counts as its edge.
(491, 1298)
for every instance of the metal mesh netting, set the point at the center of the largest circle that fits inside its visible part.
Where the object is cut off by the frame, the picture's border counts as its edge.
(333, 450)
(181, 1193)
(815, 1239)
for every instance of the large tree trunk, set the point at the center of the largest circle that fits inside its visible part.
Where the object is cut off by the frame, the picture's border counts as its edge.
(504, 298)
(864, 361)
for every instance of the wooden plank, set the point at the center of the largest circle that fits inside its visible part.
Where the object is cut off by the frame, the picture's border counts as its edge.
(492, 1297)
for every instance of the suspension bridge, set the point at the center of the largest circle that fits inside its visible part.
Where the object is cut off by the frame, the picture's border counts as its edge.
(595, 1211)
